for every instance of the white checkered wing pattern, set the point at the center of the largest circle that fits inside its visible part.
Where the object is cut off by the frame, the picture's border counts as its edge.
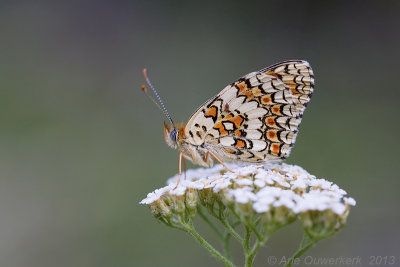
(256, 118)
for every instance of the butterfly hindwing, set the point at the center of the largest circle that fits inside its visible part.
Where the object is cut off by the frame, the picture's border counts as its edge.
(256, 117)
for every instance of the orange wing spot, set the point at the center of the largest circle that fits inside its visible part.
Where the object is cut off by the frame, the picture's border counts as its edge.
(276, 109)
(231, 151)
(271, 134)
(276, 148)
(256, 91)
(238, 133)
(293, 89)
(220, 128)
(240, 144)
(242, 86)
(212, 112)
(237, 121)
(272, 74)
(229, 116)
(270, 121)
(249, 95)
(266, 100)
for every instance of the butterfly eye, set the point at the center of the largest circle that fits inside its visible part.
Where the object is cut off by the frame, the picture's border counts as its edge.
(173, 134)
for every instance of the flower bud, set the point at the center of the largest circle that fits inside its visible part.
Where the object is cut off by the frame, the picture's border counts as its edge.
(322, 224)
(191, 201)
(207, 197)
(178, 204)
(164, 209)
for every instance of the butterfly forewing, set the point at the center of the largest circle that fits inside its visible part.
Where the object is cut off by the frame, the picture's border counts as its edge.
(298, 76)
(255, 118)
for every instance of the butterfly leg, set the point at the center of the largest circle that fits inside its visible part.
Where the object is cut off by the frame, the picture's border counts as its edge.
(184, 168)
(223, 164)
(180, 169)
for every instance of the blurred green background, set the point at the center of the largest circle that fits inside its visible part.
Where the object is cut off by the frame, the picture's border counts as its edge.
(80, 145)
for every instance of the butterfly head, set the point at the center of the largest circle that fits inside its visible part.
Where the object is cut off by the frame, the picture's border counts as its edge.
(173, 134)
(170, 135)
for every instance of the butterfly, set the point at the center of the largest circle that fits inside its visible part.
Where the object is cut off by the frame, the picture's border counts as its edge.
(255, 119)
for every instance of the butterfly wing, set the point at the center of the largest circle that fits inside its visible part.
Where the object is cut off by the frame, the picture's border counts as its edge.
(255, 118)
(298, 76)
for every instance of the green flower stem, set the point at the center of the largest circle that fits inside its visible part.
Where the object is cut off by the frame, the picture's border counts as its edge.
(246, 243)
(227, 249)
(250, 257)
(306, 244)
(259, 237)
(190, 229)
(230, 229)
(222, 217)
(251, 253)
(305, 240)
(235, 214)
(172, 224)
(212, 226)
(227, 237)
(224, 238)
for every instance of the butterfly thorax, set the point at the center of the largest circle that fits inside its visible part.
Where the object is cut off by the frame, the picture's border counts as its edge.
(175, 137)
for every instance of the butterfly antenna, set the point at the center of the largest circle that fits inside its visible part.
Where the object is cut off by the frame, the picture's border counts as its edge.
(144, 89)
(159, 104)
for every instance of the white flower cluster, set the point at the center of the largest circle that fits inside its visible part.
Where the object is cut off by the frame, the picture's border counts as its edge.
(263, 187)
